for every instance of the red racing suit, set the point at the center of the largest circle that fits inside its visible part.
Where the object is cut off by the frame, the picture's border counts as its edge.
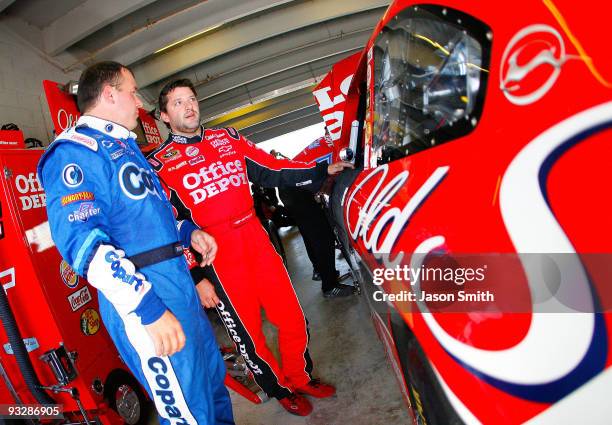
(208, 179)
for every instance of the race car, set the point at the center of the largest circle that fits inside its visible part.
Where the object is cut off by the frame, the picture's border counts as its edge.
(480, 134)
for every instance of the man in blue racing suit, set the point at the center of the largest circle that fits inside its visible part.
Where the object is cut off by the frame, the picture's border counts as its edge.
(112, 222)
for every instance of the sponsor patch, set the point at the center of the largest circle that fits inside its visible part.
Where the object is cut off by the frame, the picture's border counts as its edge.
(177, 166)
(136, 182)
(77, 197)
(190, 258)
(171, 153)
(79, 298)
(233, 133)
(154, 163)
(224, 149)
(69, 276)
(196, 160)
(117, 154)
(81, 139)
(179, 139)
(90, 322)
(121, 274)
(72, 175)
(192, 151)
(85, 211)
(219, 142)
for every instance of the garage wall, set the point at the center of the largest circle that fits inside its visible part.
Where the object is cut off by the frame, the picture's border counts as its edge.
(22, 100)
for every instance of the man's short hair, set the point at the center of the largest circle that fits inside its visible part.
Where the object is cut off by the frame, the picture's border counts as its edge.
(162, 102)
(93, 80)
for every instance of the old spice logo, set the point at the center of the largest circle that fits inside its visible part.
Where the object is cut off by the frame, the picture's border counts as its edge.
(69, 276)
(79, 298)
(531, 64)
(77, 197)
(332, 115)
(370, 221)
(65, 120)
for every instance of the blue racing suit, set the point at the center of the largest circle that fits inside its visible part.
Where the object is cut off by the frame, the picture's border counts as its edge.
(105, 205)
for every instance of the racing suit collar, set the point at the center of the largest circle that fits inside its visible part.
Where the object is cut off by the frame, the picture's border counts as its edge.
(113, 129)
(184, 140)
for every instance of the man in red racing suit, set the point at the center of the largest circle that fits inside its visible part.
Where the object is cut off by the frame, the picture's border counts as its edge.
(207, 172)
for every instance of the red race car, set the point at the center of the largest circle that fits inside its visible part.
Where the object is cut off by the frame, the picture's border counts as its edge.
(477, 212)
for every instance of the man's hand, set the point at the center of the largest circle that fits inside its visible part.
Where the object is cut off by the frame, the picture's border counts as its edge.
(207, 294)
(167, 334)
(337, 167)
(205, 245)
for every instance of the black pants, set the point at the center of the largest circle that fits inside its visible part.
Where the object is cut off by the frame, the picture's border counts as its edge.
(316, 232)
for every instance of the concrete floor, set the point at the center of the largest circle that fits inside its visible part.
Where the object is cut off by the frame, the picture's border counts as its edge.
(346, 352)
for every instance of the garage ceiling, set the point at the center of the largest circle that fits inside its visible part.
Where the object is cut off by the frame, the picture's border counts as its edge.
(254, 62)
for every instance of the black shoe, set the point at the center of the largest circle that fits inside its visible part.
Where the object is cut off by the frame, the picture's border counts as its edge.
(339, 291)
(316, 275)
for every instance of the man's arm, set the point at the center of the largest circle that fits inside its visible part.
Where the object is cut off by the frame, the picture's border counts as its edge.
(269, 171)
(78, 201)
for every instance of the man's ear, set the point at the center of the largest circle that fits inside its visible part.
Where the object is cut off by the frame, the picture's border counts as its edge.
(107, 94)
(164, 117)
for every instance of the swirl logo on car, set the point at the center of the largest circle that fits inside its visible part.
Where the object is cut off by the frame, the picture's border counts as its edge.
(531, 64)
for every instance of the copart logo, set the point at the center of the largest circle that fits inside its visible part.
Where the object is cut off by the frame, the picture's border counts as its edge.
(72, 175)
(136, 182)
(531, 64)
(69, 276)
(90, 322)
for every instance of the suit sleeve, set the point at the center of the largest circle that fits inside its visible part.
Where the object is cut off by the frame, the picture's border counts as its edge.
(268, 171)
(79, 200)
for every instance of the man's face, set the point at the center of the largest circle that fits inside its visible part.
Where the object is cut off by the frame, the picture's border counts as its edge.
(182, 111)
(127, 101)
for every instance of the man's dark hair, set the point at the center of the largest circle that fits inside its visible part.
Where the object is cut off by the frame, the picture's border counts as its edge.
(162, 102)
(93, 80)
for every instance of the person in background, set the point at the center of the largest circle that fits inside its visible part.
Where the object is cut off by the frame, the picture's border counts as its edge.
(318, 237)
(112, 222)
(206, 172)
